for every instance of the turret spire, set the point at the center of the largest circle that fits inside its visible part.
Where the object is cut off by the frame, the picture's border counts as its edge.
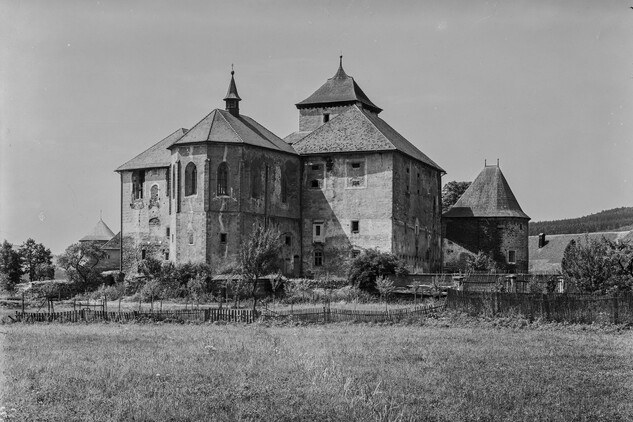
(232, 98)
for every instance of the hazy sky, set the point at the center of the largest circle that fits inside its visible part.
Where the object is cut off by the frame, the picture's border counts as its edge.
(545, 86)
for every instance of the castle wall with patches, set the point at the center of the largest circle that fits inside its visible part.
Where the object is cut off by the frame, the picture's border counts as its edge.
(347, 207)
(416, 214)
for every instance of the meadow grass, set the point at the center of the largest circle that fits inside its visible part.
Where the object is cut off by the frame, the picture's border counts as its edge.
(425, 372)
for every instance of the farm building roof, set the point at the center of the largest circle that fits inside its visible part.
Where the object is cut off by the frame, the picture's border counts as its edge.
(101, 232)
(488, 196)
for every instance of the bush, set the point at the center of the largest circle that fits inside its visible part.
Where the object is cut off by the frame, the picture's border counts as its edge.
(371, 264)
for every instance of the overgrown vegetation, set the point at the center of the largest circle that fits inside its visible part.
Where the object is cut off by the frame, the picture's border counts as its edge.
(356, 372)
(599, 266)
(451, 192)
(371, 264)
(613, 219)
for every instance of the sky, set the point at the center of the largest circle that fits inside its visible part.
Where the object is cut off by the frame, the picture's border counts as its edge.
(546, 87)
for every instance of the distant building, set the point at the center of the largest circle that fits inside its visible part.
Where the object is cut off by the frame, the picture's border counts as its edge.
(344, 182)
(103, 236)
(486, 218)
(546, 251)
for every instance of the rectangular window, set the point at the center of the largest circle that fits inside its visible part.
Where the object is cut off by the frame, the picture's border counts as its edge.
(167, 232)
(166, 255)
(318, 258)
(512, 257)
(315, 176)
(190, 238)
(143, 253)
(355, 174)
(355, 226)
(326, 117)
(355, 253)
(317, 232)
(288, 240)
(222, 237)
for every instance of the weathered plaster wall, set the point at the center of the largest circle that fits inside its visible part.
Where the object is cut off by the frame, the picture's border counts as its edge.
(345, 194)
(494, 236)
(416, 215)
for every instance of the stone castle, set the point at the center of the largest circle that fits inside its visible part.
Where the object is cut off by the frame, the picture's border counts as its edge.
(344, 182)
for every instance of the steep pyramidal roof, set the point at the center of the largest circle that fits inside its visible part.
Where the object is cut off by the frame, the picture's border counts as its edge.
(155, 156)
(232, 94)
(488, 196)
(101, 232)
(222, 126)
(356, 130)
(339, 89)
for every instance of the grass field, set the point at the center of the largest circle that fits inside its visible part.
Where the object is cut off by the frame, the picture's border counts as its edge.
(426, 372)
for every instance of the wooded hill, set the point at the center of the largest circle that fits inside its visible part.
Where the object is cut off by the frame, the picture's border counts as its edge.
(609, 220)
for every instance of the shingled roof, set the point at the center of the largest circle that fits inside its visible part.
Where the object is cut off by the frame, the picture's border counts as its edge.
(101, 232)
(339, 89)
(356, 130)
(155, 156)
(549, 257)
(488, 196)
(222, 126)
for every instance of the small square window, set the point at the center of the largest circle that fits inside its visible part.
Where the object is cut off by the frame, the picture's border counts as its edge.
(355, 226)
(355, 253)
(356, 183)
(222, 237)
(314, 184)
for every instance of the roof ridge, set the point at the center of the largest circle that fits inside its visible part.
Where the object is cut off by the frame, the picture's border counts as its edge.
(232, 128)
(212, 122)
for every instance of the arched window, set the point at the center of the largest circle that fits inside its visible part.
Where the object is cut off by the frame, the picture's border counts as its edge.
(223, 179)
(191, 179)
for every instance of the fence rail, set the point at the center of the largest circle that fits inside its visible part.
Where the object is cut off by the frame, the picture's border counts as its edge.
(575, 308)
(324, 314)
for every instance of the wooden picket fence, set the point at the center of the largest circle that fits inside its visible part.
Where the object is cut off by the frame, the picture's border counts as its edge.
(559, 307)
(323, 315)
(88, 315)
(329, 314)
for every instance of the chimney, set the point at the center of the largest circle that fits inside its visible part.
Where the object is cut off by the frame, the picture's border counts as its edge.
(541, 240)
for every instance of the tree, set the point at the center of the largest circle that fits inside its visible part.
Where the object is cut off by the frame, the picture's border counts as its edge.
(480, 262)
(259, 256)
(385, 287)
(34, 255)
(79, 260)
(451, 192)
(10, 265)
(372, 264)
(599, 266)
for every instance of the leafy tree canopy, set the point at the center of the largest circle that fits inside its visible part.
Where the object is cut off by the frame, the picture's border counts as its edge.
(451, 192)
(10, 265)
(372, 264)
(79, 260)
(35, 256)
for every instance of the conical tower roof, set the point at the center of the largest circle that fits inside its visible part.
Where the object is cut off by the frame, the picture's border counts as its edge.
(101, 233)
(488, 196)
(340, 89)
(232, 94)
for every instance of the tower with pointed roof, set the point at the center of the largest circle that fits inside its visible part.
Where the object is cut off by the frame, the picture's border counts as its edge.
(364, 185)
(196, 195)
(487, 218)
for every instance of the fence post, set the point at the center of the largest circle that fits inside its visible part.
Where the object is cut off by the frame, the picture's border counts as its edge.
(615, 309)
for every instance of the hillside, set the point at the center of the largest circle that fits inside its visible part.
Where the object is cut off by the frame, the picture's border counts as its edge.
(614, 219)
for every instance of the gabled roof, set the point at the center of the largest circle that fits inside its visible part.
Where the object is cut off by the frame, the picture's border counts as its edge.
(222, 126)
(114, 243)
(101, 232)
(549, 257)
(340, 88)
(488, 196)
(356, 130)
(155, 156)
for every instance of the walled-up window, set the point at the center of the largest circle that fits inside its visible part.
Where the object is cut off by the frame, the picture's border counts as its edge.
(153, 196)
(283, 187)
(256, 181)
(315, 175)
(223, 179)
(355, 174)
(191, 179)
(138, 180)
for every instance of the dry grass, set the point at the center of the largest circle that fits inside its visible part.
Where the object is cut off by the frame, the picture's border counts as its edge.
(362, 372)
